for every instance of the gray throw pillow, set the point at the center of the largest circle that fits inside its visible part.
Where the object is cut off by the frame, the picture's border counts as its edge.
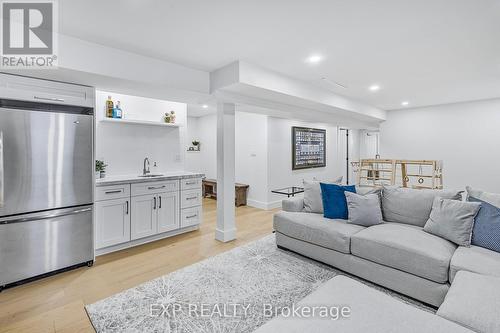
(313, 202)
(411, 206)
(363, 209)
(491, 198)
(473, 301)
(364, 190)
(453, 220)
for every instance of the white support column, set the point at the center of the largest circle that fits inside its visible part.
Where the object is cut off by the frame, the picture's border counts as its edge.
(226, 228)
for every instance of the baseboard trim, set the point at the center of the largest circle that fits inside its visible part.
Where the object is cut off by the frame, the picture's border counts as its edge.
(225, 235)
(264, 205)
(142, 241)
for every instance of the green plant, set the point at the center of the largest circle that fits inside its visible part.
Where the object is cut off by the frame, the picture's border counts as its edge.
(195, 142)
(100, 166)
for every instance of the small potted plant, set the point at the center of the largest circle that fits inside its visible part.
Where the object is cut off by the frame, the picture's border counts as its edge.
(167, 118)
(100, 169)
(196, 144)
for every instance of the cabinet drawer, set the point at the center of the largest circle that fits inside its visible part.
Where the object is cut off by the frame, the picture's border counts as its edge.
(190, 183)
(155, 187)
(191, 216)
(112, 192)
(190, 198)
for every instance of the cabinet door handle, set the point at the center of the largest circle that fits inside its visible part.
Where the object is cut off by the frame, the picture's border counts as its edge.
(191, 198)
(49, 99)
(191, 216)
(154, 205)
(159, 204)
(112, 192)
(155, 188)
(126, 209)
(190, 183)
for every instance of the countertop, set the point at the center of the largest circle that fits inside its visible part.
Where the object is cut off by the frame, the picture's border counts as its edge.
(129, 179)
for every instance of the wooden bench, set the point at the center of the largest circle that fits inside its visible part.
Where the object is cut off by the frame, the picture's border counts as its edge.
(209, 189)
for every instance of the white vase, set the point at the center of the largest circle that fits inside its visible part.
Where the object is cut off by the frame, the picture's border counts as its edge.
(97, 174)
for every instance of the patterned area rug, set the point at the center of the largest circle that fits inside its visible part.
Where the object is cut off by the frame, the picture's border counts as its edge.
(236, 291)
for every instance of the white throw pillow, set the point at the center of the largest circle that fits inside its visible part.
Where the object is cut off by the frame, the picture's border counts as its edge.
(491, 198)
(313, 202)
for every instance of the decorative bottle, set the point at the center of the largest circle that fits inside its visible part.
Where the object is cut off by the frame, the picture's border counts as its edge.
(109, 107)
(117, 111)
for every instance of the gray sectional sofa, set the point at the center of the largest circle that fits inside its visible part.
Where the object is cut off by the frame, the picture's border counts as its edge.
(397, 254)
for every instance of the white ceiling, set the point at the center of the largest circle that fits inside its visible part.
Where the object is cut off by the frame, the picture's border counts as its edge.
(426, 52)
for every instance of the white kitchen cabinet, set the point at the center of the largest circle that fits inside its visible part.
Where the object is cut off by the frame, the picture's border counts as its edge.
(144, 218)
(113, 226)
(133, 213)
(168, 211)
(44, 91)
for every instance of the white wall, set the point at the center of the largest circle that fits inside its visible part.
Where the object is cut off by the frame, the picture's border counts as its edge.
(465, 136)
(251, 156)
(263, 155)
(193, 158)
(206, 133)
(280, 173)
(123, 146)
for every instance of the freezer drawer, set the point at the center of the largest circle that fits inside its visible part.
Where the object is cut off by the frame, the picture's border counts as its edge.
(36, 244)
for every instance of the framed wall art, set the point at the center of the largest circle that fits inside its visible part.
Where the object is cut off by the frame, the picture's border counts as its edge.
(308, 148)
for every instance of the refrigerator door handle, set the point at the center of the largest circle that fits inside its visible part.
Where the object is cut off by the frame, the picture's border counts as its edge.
(1, 171)
(42, 216)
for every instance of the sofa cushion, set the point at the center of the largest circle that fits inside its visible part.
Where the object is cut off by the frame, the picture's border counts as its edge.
(411, 206)
(313, 203)
(334, 202)
(315, 229)
(473, 301)
(363, 209)
(486, 231)
(452, 220)
(371, 311)
(407, 248)
(293, 204)
(475, 259)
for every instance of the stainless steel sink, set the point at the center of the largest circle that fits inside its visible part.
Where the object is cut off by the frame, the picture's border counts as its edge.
(151, 175)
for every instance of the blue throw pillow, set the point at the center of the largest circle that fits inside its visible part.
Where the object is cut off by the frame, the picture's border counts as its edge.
(334, 202)
(486, 232)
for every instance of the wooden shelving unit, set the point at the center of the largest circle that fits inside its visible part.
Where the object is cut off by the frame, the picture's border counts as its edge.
(138, 122)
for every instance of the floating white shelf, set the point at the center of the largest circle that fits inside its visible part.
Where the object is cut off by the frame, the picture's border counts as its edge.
(138, 122)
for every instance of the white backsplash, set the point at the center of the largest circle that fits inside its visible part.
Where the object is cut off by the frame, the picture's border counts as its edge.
(124, 146)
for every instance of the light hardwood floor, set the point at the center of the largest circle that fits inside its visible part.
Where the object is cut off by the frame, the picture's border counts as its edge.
(56, 304)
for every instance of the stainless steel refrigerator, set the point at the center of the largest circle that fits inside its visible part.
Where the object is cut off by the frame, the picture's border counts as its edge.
(46, 188)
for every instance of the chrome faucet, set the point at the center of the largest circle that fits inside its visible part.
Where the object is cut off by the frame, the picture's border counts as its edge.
(145, 171)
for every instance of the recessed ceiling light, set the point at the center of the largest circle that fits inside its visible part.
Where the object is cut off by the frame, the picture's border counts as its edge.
(374, 87)
(314, 59)
(204, 106)
(405, 103)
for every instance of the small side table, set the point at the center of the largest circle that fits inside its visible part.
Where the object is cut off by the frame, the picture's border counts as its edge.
(289, 191)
